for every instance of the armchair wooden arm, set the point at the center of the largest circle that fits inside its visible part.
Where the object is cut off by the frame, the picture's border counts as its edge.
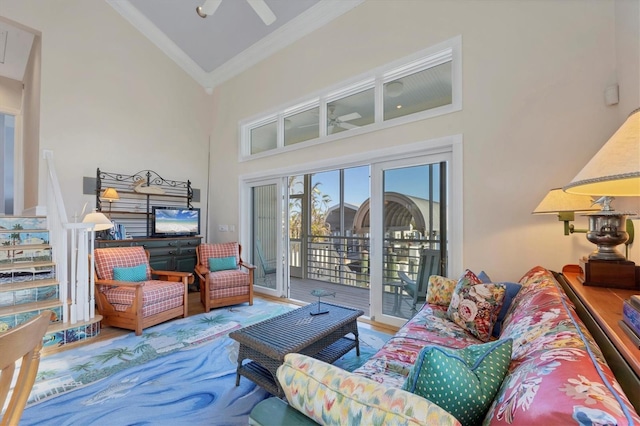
(247, 265)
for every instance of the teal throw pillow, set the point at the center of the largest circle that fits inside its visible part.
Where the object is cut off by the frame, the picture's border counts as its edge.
(134, 273)
(461, 381)
(510, 293)
(222, 263)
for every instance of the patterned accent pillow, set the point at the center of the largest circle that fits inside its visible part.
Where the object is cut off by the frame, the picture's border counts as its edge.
(475, 306)
(222, 263)
(461, 381)
(332, 396)
(133, 273)
(440, 290)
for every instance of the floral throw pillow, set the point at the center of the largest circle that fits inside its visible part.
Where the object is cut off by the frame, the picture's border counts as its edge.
(440, 290)
(475, 305)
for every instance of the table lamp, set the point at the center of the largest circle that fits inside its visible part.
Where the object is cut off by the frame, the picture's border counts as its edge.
(110, 194)
(99, 220)
(613, 172)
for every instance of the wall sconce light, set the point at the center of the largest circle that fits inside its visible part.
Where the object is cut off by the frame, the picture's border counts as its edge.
(565, 205)
(111, 195)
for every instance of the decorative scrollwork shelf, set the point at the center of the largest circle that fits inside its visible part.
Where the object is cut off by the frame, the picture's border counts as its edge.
(138, 193)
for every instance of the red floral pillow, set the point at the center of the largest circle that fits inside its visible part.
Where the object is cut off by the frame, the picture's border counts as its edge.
(475, 305)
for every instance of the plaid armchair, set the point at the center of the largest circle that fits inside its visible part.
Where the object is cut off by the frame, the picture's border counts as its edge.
(225, 279)
(131, 295)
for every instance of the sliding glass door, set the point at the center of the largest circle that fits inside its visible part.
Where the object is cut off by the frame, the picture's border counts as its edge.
(408, 213)
(354, 230)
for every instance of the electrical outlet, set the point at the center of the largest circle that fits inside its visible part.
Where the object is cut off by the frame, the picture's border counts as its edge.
(223, 228)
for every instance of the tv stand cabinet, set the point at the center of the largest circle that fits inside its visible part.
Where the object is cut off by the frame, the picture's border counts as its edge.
(165, 254)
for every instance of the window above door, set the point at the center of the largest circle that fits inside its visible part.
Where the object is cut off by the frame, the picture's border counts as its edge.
(423, 85)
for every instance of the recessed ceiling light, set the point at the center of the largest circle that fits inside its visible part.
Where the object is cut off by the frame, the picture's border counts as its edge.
(399, 106)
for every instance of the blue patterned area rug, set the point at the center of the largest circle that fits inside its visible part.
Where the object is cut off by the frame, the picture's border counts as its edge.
(179, 372)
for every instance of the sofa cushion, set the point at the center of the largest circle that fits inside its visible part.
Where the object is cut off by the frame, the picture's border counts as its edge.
(462, 381)
(430, 326)
(132, 273)
(475, 305)
(157, 296)
(332, 396)
(440, 290)
(222, 263)
(510, 293)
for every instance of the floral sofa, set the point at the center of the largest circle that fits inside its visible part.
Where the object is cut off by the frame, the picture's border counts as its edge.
(554, 372)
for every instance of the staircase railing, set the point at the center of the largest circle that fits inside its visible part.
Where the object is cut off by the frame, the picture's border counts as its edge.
(71, 244)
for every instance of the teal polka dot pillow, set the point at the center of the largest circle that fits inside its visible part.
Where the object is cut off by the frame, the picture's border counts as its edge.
(134, 273)
(461, 381)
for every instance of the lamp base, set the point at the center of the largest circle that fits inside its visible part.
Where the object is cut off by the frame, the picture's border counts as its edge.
(610, 273)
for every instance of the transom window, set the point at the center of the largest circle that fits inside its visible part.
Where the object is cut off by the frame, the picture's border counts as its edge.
(424, 85)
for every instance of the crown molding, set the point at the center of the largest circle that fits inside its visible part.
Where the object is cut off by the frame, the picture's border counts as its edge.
(310, 20)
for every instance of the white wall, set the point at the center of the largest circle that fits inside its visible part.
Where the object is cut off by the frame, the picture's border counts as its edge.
(534, 75)
(111, 99)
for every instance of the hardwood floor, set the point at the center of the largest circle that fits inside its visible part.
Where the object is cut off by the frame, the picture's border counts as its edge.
(195, 308)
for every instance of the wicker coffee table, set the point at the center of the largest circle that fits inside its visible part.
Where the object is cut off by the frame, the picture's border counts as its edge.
(320, 336)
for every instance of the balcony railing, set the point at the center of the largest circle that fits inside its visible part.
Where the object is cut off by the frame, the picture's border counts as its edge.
(345, 260)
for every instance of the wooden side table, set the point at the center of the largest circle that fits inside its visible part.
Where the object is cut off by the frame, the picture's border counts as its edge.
(600, 309)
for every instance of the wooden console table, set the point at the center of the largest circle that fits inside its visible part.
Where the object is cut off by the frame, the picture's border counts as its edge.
(600, 309)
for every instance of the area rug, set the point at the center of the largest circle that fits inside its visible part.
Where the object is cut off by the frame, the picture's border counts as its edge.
(179, 372)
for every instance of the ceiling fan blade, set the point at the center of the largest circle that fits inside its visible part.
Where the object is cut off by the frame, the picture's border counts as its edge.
(208, 8)
(349, 117)
(347, 126)
(263, 11)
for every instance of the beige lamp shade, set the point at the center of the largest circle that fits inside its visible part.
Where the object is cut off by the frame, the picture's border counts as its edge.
(100, 221)
(110, 194)
(615, 169)
(557, 201)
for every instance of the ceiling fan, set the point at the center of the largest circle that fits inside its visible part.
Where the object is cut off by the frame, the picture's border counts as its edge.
(341, 121)
(259, 6)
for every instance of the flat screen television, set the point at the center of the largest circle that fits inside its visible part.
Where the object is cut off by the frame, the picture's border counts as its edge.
(175, 221)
